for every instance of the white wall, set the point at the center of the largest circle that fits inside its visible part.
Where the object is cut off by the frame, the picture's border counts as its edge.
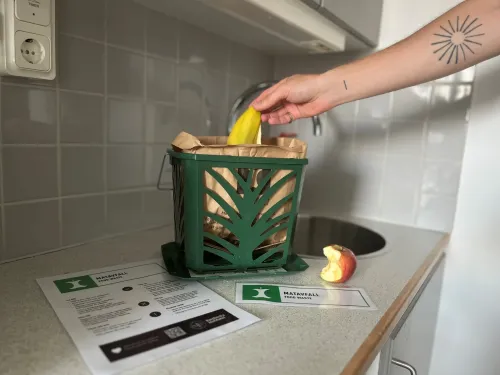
(468, 333)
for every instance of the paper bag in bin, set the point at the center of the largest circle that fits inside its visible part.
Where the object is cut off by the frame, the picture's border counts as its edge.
(270, 148)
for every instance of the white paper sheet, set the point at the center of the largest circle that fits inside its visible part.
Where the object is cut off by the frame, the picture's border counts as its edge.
(125, 316)
(304, 296)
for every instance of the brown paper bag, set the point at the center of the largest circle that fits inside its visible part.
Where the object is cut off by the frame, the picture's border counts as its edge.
(270, 148)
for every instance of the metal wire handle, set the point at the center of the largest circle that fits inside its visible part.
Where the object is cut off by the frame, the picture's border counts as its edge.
(404, 365)
(158, 183)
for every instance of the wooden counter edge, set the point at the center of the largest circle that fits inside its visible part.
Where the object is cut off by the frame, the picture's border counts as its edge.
(366, 353)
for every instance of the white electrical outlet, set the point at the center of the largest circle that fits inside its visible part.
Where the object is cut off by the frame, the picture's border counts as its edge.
(27, 45)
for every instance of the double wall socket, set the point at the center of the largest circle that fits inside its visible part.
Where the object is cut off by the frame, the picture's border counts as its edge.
(27, 44)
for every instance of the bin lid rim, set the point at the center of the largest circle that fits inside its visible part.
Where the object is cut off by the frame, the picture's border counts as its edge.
(235, 159)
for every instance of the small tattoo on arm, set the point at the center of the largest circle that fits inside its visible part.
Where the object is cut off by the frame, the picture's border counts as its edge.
(345, 85)
(458, 40)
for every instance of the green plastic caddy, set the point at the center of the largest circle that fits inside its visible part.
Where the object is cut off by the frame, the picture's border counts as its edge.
(197, 251)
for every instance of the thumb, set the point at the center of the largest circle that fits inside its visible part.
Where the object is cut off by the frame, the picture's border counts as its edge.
(270, 98)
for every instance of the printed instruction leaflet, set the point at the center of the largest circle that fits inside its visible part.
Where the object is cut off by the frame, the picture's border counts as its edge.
(125, 316)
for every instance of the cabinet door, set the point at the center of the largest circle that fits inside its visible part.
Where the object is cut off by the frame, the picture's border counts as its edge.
(413, 343)
(360, 17)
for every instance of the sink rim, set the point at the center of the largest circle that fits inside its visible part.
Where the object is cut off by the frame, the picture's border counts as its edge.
(351, 221)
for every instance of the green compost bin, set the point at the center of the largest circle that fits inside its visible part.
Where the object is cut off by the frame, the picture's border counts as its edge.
(207, 252)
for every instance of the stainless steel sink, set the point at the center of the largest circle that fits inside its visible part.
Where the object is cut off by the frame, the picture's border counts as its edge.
(313, 233)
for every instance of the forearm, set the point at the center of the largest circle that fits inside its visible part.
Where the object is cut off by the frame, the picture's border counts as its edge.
(460, 38)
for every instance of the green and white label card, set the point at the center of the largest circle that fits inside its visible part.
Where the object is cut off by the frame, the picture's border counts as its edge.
(304, 296)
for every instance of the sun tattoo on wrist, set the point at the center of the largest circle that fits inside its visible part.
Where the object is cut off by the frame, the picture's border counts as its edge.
(458, 40)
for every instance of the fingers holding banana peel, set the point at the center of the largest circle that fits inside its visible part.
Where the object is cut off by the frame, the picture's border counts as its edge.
(293, 98)
(285, 115)
(271, 98)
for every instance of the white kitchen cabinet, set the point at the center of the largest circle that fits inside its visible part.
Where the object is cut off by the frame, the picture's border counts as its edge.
(411, 344)
(283, 27)
(359, 17)
(315, 4)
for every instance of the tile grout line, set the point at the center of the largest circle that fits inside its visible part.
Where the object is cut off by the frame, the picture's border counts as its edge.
(385, 158)
(88, 93)
(177, 89)
(95, 94)
(91, 40)
(31, 86)
(205, 121)
(82, 195)
(423, 149)
(105, 237)
(117, 46)
(137, 98)
(228, 87)
(227, 76)
(3, 240)
(353, 147)
(93, 145)
(355, 126)
(105, 119)
(144, 108)
(59, 164)
(81, 92)
(120, 47)
(30, 145)
(58, 146)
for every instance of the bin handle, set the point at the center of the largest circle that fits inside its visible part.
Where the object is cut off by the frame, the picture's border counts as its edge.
(158, 183)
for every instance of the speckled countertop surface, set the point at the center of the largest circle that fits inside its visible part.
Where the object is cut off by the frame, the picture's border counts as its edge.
(288, 340)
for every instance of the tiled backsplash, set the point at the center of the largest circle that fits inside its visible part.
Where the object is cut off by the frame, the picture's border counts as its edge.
(79, 156)
(395, 157)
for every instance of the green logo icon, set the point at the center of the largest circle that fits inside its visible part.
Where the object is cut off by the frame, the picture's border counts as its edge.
(269, 293)
(75, 283)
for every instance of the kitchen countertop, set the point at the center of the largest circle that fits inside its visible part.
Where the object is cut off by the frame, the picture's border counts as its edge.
(288, 340)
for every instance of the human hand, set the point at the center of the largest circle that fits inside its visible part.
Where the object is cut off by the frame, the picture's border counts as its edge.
(295, 97)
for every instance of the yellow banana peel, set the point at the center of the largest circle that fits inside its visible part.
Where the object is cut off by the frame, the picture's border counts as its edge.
(247, 129)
